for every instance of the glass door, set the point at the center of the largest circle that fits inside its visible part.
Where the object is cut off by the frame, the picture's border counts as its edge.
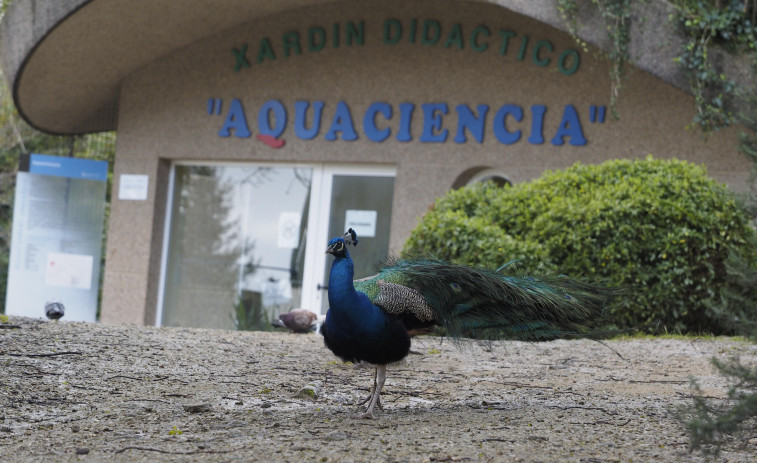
(360, 199)
(245, 243)
(235, 253)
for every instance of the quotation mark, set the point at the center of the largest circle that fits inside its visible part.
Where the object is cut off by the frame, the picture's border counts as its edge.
(214, 106)
(597, 113)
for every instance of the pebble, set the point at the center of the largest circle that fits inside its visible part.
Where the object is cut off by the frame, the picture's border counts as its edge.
(197, 408)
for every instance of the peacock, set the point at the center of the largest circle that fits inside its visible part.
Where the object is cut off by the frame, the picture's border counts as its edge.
(373, 319)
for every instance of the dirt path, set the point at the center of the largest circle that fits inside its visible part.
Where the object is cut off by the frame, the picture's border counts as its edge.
(127, 393)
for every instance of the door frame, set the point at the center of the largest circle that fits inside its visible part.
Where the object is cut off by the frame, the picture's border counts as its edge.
(315, 256)
(317, 233)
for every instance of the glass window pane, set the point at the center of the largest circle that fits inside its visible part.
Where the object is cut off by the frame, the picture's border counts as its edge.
(366, 195)
(236, 245)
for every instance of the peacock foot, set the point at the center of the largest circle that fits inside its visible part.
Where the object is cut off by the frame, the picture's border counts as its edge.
(368, 399)
(374, 400)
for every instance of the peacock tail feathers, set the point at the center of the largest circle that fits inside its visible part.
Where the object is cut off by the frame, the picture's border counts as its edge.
(373, 319)
(487, 304)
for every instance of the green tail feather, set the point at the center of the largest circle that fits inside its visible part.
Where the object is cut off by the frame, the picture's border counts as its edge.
(486, 304)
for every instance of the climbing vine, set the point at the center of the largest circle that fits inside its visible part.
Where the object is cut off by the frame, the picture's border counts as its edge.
(729, 24)
(617, 15)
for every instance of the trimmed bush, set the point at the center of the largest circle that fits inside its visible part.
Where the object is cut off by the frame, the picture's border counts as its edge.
(662, 229)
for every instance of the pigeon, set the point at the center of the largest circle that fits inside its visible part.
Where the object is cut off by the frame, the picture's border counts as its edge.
(54, 310)
(298, 321)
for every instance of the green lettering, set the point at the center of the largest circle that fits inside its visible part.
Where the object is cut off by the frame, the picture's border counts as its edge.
(543, 62)
(265, 50)
(506, 35)
(355, 33)
(432, 30)
(291, 41)
(316, 38)
(474, 38)
(455, 37)
(392, 31)
(576, 61)
(241, 56)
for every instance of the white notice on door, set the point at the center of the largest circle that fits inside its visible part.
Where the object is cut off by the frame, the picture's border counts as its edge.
(363, 222)
(69, 270)
(289, 230)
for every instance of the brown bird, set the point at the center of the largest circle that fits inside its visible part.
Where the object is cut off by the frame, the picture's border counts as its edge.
(298, 321)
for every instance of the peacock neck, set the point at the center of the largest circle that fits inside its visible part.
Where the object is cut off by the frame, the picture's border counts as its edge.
(341, 288)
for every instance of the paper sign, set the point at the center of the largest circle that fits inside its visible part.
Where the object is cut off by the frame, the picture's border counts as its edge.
(69, 270)
(363, 222)
(289, 230)
(133, 187)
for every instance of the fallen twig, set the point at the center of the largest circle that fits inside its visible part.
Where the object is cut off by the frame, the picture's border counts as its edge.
(123, 376)
(52, 354)
(190, 452)
(506, 383)
(594, 423)
(34, 367)
(663, 381)
(584, 408)
(147, 400)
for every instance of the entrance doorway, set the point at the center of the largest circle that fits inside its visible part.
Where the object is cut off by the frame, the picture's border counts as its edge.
(355, 198)
(245, 242)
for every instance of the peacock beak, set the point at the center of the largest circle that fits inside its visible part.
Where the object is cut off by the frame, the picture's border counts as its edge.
(335, 248)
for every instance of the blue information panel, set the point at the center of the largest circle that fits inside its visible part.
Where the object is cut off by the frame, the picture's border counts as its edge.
(56, 243)
(56, 166)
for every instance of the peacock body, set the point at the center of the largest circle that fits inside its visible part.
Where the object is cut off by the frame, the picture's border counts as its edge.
(373, 319)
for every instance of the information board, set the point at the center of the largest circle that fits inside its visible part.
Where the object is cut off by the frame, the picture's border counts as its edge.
(56, 240)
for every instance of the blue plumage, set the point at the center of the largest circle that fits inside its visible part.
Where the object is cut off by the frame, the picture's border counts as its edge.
(373, 319)
(354, 326)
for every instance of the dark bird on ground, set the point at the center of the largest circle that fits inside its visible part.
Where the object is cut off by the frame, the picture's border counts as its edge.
(54, 310)
(298, 321)
(372, 319)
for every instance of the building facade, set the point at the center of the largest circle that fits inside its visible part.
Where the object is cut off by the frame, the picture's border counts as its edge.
(248, 144)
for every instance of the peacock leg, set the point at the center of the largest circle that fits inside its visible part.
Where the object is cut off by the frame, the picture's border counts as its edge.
(373, 390)
(380, 378)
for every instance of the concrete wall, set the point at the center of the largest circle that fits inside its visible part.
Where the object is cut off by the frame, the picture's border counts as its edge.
(163, 115)
(65, 59)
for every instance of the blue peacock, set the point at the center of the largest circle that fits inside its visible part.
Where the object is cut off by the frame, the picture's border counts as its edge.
(373, 319)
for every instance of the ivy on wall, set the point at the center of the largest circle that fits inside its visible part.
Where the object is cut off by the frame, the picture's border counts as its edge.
(617, 15)
(729, 24)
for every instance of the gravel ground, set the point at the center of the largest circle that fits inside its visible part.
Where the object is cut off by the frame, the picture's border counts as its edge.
(93, 392)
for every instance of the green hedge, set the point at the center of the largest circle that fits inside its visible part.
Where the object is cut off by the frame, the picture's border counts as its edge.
(662, 229)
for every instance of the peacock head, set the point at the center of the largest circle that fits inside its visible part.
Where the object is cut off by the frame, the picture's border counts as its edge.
(338, 246)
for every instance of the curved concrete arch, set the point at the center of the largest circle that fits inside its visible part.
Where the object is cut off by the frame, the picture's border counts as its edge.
(65, 59)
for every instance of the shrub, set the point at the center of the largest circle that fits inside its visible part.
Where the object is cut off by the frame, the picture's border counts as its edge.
(662, 229)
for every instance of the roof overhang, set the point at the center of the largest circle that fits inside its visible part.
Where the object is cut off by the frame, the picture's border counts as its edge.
(65, 59)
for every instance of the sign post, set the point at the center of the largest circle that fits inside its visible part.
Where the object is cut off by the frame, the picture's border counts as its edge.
(56, 240)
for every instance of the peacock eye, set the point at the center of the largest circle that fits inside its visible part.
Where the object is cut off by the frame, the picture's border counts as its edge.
(455, 287)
